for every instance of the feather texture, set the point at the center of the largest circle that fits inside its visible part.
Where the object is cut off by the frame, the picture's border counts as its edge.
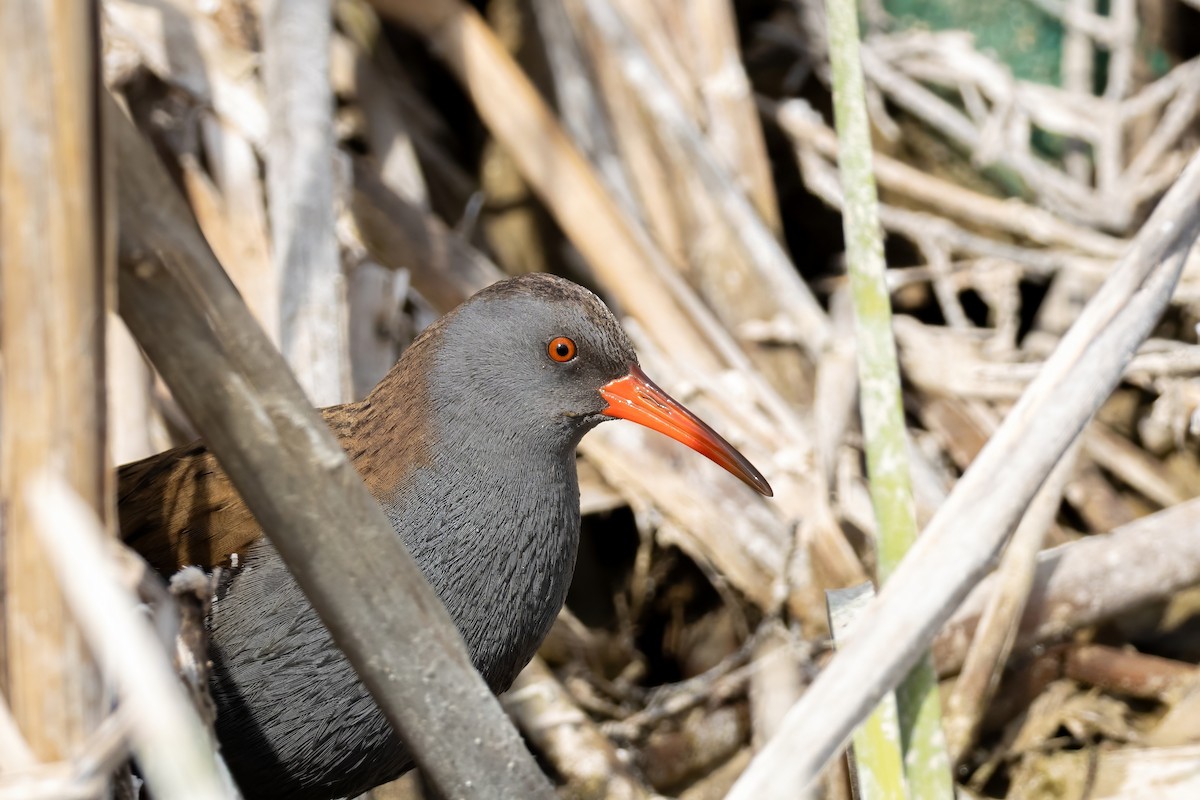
(468, 444)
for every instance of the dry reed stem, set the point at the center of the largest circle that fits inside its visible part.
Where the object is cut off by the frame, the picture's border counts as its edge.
(312, 302)
(774, 267)
(683, 215)
(732, 120)
(55, 285)
(997, 629)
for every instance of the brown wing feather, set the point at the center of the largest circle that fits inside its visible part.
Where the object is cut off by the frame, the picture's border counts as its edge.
(178, 508)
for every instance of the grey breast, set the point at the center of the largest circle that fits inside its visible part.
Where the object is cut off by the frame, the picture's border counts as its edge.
(292, 717)
(294, 720)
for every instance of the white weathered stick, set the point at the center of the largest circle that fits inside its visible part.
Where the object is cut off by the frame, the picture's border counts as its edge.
(173, 749)
(960, 541)
(312, 304)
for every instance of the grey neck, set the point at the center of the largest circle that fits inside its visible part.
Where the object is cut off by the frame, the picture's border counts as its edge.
(496, 534)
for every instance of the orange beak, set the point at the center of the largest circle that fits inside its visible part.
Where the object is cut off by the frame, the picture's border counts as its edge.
(636, 398)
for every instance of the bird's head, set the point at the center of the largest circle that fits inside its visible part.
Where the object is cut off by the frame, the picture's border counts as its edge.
(540, 355)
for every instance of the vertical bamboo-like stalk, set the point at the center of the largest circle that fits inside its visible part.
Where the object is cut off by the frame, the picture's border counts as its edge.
(926, 763)
(54, 288)
(312, 302)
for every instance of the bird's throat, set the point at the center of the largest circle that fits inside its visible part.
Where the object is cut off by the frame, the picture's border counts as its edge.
(502, 567)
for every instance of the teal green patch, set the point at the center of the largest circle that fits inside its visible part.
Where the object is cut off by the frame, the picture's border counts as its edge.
(1025, 38)
(1018, 34)
(1159, 62)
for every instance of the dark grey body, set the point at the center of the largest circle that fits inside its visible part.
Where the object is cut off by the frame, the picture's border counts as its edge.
(291, 701)
(491, 515)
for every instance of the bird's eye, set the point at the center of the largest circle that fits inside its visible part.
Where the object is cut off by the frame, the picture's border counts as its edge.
(561, 349)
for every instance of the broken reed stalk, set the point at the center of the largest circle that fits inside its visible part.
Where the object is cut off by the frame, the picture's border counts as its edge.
(927, 766)
(988, 500)
(54, 287)
(876, 763)
(997, 629)
(775, 267)
(733, 124)
(175, 752)
(302, 489)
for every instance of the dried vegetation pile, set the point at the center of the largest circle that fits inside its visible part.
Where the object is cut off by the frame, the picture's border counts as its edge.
(680, 157)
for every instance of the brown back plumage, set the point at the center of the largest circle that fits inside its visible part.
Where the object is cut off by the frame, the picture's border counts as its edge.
(178, 508)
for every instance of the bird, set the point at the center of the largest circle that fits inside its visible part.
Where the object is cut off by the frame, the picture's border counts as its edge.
(468, 444)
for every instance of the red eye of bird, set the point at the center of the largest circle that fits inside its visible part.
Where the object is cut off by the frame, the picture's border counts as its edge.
(561, 349)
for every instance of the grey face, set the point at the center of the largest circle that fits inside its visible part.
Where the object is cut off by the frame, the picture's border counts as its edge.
(531, 353)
